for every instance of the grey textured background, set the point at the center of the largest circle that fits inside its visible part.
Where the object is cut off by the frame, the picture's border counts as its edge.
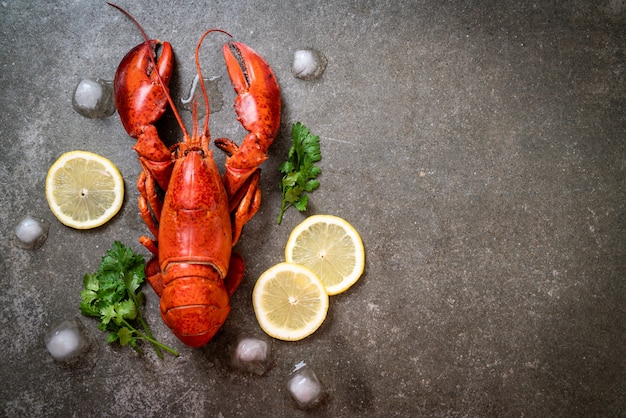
(478, 147)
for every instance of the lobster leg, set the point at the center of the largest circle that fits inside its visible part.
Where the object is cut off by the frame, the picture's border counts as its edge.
(246, 200)
(153, 274)
(258, 107)
(235, 273)
(149, 203)
(150, 208)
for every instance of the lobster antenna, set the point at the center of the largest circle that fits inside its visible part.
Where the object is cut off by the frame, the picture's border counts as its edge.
(147, 42)
(205, 96)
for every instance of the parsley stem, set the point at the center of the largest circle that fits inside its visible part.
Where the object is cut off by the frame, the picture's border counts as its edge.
(149, 336)
(283, 207)
(150, 339)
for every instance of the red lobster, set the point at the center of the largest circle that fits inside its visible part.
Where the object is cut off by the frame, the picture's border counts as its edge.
(193, 268)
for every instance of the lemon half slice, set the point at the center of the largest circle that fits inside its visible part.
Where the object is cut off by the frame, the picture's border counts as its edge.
(289, 301)
(331, 248)
(84, 190)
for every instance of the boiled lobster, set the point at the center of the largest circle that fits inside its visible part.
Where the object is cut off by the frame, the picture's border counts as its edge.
(193, 268)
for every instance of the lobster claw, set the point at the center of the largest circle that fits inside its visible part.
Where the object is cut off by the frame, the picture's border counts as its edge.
(141, 100)
(258, 96)
(139, 97)
(258, 107)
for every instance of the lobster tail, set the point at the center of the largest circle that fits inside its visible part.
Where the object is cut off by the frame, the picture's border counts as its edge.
(194, 306)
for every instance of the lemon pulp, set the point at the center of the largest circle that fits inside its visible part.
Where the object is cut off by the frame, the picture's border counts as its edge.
(331, 248)
(84, 190)
(289, 301)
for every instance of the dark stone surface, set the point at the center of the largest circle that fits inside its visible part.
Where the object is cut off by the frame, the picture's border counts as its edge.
(478, 147)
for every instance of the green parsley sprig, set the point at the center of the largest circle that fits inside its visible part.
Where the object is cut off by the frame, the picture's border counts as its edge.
(299, 170)
(111, 294)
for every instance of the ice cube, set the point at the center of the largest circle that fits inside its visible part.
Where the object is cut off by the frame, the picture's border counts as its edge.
(308, 64)
(31, 233)
(93, 98)
(252, 355)
(66, 341)
(215, 96)
(304, 386)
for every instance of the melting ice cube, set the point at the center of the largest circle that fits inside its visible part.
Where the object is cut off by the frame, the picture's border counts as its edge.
(31, 233)
(216, 99)
(66, 341)
(308, 64)
(94, 98)
(304, 386)
(252, 355)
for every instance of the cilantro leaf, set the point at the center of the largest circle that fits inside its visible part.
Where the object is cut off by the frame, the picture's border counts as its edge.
(299, 170)
(112, 295)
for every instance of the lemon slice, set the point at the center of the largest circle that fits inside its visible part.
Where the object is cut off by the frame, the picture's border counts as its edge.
(331, 248)
(84, 190)
(289, 301)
